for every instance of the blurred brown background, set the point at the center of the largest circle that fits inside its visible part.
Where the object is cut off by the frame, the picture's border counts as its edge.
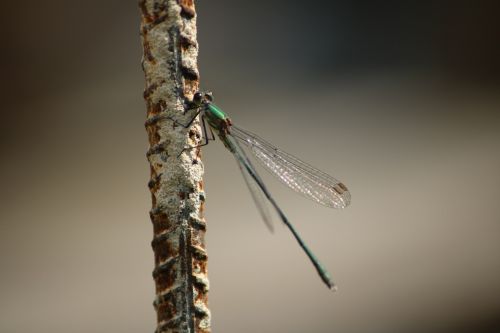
(399, 100)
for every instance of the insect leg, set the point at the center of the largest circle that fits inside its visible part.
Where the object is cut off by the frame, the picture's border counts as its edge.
(191, 121)
(205, 136)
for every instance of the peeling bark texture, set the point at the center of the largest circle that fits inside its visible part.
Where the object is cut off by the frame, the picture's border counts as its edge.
(170, 50)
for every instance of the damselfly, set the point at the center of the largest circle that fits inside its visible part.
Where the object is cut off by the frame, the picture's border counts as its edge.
(294, 173)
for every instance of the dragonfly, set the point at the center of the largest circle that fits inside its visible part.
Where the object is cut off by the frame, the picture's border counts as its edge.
(291, 171)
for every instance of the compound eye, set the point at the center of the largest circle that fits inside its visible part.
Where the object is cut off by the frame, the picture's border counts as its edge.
(197, 98)
(208, 96)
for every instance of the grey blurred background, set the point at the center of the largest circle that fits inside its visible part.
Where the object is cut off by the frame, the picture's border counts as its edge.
(398, 99)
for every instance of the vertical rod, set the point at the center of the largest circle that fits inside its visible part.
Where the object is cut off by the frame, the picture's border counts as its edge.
(170, 50)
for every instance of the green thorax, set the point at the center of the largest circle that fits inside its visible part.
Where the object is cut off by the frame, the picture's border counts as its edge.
(215, 116)
(214, 112)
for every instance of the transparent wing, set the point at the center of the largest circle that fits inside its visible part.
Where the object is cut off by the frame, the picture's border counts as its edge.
(250, 174)
(294, 173)
(253, 187)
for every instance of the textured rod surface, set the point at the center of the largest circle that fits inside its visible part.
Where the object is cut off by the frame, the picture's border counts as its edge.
(170, 49)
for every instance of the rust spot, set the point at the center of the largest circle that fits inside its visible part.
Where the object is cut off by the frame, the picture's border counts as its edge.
(145, 14)
(202, 198)
(186, 42)
(154, 182)
(166, 312)
(165, 273)
(148, 55)
(198, 254)
(156, 108)
(160, 19)
(198, 152)
(163, 249)
(159, 13)
(197, 226)
(150, 89)
(153, 136)
(191, 86)
(156, 137)
(166, 306)
(190, 73)
(153, 173)
(161, 223)
(156, 149)
(198, 239)
(173, 325)
(159, 7)
(197, 251)
(198, 322)
(187, 8)
(153, 133)
(198, 313)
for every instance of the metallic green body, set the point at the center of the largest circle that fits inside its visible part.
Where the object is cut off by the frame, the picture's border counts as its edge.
(220, 123)
(214, 112)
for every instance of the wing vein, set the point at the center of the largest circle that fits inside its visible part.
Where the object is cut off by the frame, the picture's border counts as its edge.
(298, 175)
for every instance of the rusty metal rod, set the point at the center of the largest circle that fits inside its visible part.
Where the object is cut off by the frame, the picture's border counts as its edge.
(170, 50)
